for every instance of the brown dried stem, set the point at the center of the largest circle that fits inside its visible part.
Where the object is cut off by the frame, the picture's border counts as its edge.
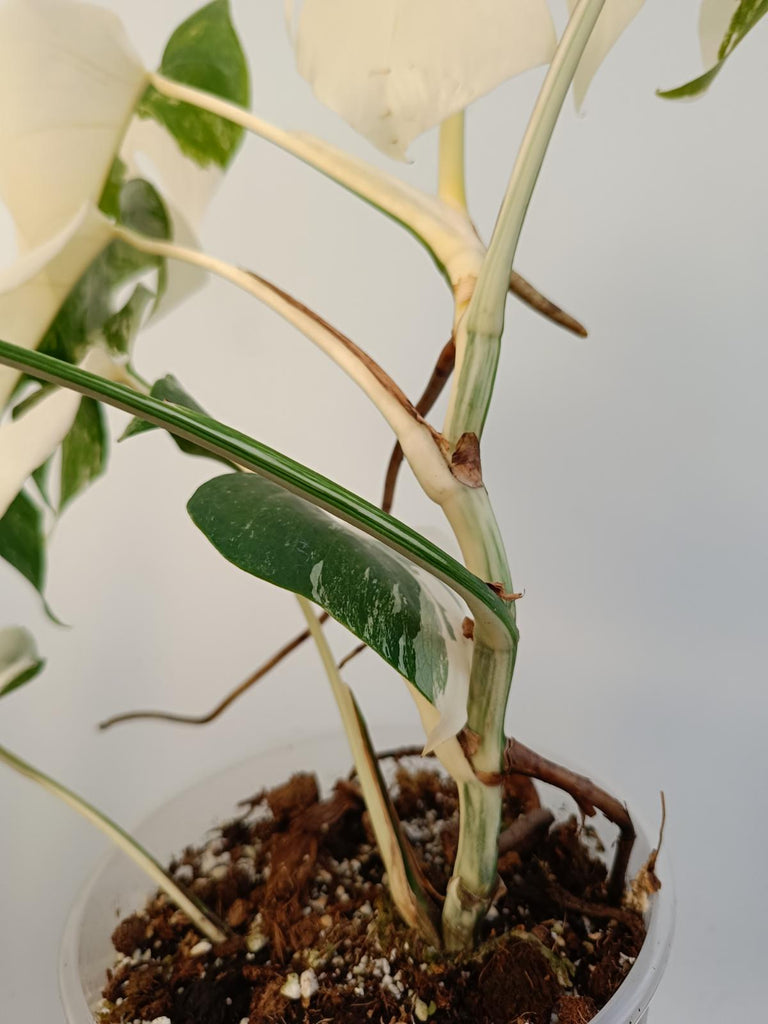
(521, 760)
(525, 291)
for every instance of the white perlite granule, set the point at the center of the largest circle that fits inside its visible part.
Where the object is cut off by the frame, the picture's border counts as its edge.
(291, 989)
(308, 985)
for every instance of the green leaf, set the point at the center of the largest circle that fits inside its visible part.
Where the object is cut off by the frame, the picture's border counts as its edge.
(203, 52)
(745, 17)
(122, 327)
(168, 389)
(84, 451)
(88, 308)
(225, 442)
(22, 542)
(19, 660)
(380, 597)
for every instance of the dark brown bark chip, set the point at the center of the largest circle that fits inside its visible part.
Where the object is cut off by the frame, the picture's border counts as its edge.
(315, 939)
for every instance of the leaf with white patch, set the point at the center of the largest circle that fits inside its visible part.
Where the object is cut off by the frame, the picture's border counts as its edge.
(722, 26)
(83, 452)
(395, 68)
(19, 660)
(411, 620)
(614, 19)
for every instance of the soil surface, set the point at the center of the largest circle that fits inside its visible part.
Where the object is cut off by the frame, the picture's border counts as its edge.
(314, 938)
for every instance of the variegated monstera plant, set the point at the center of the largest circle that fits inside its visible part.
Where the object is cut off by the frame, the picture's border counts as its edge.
(102, 251)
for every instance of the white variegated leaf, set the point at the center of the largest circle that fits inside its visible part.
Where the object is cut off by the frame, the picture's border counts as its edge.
(402, 612)
(69, 81)
(27, 442)
(19, 659)
(33, 288)
(394, 68)
(614, 18)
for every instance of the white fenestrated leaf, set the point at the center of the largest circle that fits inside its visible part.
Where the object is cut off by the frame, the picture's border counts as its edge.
(69, 81)
(614, 18)
(33, 288)
(19, 659)
(27, 442)
(394, 68)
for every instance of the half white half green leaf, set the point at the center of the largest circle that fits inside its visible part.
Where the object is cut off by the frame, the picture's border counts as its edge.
(203, 52)
(84, 451)
(409, 618)
(722, 26)
(19, 660)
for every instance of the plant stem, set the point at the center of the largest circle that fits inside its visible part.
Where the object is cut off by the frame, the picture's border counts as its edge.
(195, 911)
(409, 895)
(445, 233)
(474, 876)
(419, 442)
(450, 167)
(479, 354)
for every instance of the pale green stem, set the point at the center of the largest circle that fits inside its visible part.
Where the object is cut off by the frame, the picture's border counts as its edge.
(411, 900)
(145, 861)
(474, 878)
(446, 233)
(450, 166)
(478, 360)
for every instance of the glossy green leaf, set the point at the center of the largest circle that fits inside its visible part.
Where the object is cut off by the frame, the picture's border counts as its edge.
(745, 17)
(19, 660)
(203, 52)
(411, 620)
(22, 541)
(84, 451)
(244, 451)
(168, 389)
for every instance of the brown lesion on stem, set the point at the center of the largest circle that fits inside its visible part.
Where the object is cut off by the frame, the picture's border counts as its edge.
(589, 798)
(221, 707)
(465, 461)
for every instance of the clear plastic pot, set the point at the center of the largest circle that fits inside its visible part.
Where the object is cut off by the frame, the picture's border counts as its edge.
(117, 887)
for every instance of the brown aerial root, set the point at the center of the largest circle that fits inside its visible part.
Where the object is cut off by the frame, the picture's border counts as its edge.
(524, 830)
(589, 798)
(501, 593)
(437, 381)
(261, 671)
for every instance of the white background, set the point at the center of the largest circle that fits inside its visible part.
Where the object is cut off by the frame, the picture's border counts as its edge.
(628, 472)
